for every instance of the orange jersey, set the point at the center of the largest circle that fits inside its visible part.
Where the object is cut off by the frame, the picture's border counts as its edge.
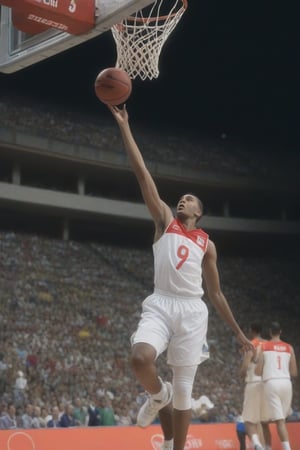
(257, 342)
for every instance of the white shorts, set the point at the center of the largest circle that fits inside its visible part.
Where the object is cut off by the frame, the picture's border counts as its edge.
(277, 399)
(178, 325)
(252, 405)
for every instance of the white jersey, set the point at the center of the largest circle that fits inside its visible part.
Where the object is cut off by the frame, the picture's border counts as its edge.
(277, 355)
(178, 256)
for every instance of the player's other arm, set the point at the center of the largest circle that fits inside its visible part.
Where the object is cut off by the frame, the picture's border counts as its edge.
(260, 364)
(159, 210)
(216, 296)
(293, 364)
(245, 363)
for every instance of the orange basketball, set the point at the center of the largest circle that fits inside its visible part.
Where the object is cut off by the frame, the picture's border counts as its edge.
(113, 86)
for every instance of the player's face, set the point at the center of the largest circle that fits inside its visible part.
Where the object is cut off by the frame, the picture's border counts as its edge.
(188, 206)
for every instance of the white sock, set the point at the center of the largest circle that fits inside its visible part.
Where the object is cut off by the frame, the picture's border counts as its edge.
(168, 445)
(285, 445)
(162, 394)
(255, 440)
(267, 447)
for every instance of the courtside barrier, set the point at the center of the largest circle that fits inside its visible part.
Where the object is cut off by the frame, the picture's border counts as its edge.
(203, 437)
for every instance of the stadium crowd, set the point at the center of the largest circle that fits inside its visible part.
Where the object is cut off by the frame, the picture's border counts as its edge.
(99, 131)
(67, 312)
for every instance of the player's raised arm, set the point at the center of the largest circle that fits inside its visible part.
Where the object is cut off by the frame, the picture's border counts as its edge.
(158, 209)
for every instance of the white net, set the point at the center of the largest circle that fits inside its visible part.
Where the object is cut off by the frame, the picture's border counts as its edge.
(140, 38)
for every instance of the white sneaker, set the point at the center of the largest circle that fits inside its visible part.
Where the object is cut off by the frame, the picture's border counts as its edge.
(150, 408)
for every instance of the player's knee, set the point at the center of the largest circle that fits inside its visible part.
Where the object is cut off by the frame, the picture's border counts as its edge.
(141, 356)
(183, 379)
(137, 362)
(182, 397)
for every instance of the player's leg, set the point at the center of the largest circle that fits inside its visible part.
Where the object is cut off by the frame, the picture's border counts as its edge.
(181, 421)
(252, 413)
(148, 342)
(254, 435)
(183, 379)
(284, 390)
(143, 365)
(143, 358)
(283, 434)
(185, 353)
(265, 416)
(166, 421)
(279, 395)
(267, 435)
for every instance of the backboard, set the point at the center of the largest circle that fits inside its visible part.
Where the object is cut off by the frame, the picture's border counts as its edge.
(19, 49)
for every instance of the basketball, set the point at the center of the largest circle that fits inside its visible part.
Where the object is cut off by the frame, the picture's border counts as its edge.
(113, 86)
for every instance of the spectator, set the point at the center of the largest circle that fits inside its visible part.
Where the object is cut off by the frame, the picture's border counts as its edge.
(80, 412)
(94, 415)
(203, 408)
(67, 419)
(27, 416)
(38, 421)
(8, 420)
(107, 412)
(122, 417)
(54, 422)
(20, 388)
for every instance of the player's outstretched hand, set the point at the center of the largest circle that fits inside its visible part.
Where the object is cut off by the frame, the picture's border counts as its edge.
(120, 114)
(245, 344)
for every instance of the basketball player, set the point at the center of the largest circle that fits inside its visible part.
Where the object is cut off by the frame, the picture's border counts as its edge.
(252, 405)
(276, 364)
(174, 317)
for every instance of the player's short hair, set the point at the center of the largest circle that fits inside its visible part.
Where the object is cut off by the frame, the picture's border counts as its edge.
(200, 203)
(275, 328)
(256, 327)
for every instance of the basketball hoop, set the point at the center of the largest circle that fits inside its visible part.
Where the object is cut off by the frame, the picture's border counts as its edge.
(139, 38)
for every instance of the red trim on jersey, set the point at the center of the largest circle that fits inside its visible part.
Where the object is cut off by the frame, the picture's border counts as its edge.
(256, 342)
(277, 346)
(198, 236)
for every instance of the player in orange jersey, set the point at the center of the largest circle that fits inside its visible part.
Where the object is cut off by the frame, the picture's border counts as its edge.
(276, 365)
(174, 317)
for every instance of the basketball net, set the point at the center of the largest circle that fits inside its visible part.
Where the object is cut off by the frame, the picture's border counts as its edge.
(139, 38)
